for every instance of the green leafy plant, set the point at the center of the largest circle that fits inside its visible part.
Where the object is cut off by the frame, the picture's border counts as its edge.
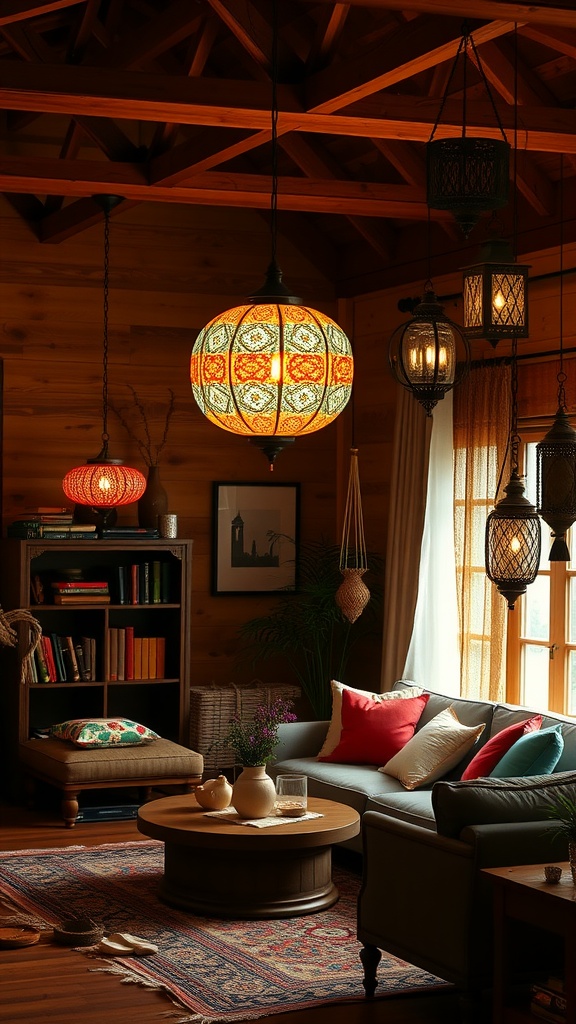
(564, 813)
(307, 628)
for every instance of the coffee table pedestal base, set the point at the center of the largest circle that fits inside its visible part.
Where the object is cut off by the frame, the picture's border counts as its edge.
(234, 885)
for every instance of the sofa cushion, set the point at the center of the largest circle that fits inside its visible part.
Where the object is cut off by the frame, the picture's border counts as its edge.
(506, 714)
(414, 806)
(437, 747)
(493, 801)
(535, 753)
(373, 731)
(335, 728)
(490, 754)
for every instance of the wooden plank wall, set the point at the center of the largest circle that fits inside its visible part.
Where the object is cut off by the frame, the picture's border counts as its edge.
(171, 270)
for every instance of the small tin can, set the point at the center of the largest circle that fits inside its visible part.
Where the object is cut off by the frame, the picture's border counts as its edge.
(168, 525)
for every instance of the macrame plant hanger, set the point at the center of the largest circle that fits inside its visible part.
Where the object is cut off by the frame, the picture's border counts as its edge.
(353, 595)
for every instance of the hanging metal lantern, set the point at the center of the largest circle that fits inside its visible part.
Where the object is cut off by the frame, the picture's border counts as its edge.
(495, 292)
(467, 175)
(556, 482)
(512, 542)
(429, 354)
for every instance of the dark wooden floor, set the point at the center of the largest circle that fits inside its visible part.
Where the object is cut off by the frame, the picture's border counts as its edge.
(51, 984)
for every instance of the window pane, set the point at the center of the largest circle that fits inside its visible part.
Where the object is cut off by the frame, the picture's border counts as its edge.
(572, 610)
(534, 683)
(536, 609)
(571, 683)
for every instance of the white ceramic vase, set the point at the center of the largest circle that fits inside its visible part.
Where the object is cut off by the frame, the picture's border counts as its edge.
(254, 793)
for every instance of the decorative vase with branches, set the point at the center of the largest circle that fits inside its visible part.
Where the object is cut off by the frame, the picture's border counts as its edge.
(154, 501)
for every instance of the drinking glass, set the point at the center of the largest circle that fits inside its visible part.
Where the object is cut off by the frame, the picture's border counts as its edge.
(291, 795)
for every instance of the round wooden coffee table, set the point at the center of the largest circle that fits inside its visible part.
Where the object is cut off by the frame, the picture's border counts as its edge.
(218, 868)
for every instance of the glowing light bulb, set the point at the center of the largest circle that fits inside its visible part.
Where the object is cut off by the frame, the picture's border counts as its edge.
(499, 301)
(515, 545)
(103, 484)
(275, 368)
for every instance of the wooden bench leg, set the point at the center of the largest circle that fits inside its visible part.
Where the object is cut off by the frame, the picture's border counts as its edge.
(69, 808)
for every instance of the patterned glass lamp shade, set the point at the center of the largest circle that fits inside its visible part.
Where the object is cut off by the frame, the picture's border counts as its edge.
(512, 542)
(496, 295)
(103, 483)
(468, 176)
(271, 370)
(429, 354)
(556, 482)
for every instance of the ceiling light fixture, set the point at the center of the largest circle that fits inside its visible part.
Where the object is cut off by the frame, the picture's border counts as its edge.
(495, 289)
(103, 483)
(513, 534)
(467, 175)
(274, 369)
(556, 453)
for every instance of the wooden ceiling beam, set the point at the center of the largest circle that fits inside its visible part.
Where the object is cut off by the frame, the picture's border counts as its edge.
(218, 102)
(544, 13)
(22, 10)
(86, 178)
(159, 34)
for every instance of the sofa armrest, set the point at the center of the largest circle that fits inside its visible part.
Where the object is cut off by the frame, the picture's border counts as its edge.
(299, 739)
(517, 842)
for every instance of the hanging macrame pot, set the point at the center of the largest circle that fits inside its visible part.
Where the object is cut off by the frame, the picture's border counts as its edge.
(352, 595)
(154, 501)
(254, 793)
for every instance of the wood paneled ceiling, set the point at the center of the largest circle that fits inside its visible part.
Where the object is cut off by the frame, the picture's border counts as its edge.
(169, 101)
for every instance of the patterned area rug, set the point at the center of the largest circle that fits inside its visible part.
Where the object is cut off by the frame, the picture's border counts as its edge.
(217, 970)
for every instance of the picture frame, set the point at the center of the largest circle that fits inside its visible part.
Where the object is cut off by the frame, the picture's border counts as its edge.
(255, 535)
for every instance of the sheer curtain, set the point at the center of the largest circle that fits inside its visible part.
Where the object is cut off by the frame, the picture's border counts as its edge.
(481, 428)
(433, 658)
(407, 508)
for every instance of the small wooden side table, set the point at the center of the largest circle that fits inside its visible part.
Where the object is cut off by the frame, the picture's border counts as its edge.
(522, 894)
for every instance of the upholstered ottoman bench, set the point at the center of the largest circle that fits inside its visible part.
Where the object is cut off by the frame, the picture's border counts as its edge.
(72, 769)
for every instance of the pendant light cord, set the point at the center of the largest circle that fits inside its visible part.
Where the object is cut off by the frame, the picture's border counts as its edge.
(561, 378)
(274, 130)
(466, 41)
(105, 434)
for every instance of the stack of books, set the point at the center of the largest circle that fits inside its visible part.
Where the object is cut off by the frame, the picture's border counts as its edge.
(134, 657)
(63, 659)
(548, 1000)
(50, 524)
(80, 592)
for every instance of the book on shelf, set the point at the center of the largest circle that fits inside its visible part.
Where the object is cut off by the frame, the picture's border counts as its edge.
(156, 582)
(124, 532)
(57, 652)
(41, 666)
(145, 657)
(72, 659)
(73, 585)
(112, 673)
(49, 658)
(83, 670)
(89, 652)
(48, 528)
(121, 653)
(129, 653)
(144, 586)
(152, 657)
(134, 584)
(137, 657)
(81, 598)
(122, 584)
(80, 589)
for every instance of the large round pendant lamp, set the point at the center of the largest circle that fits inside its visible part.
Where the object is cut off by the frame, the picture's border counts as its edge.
(102, 483)
(429, 354)
(271, 370)
(274, 369)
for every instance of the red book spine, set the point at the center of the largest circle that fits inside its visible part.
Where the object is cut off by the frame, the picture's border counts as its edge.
(129, 653)
(84, 584)
(135, 581)
(49, 658)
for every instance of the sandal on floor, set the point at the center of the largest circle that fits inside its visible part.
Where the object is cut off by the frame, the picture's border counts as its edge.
(131, 944)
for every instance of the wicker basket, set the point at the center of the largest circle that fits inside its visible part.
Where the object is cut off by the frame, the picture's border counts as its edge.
(211, 708)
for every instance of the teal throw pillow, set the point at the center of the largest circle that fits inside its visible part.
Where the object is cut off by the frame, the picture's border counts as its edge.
(536, 753)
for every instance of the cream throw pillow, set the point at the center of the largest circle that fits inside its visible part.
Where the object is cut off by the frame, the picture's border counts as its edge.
(335, 728)
(436, 748)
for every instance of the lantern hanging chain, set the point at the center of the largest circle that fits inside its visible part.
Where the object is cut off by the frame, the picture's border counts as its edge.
(105, 434)
(514, 436)
(463, 48)
(515, 181)
(561, 378)
(274, 130)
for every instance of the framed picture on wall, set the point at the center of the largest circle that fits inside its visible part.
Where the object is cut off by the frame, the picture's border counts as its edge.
(255, 537)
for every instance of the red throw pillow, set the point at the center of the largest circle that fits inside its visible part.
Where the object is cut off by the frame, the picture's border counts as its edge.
(488, 756)
(373, 731)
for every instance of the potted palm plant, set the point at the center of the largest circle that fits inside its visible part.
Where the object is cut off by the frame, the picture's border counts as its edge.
(307, 629)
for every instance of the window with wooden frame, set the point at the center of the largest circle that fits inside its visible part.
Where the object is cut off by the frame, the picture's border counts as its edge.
(541, 648)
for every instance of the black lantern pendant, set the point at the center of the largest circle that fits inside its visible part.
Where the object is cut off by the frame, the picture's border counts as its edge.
(512, 543)
(513, 533)
(429, 355)
(467, 176)
(495, 294)
(556, 482)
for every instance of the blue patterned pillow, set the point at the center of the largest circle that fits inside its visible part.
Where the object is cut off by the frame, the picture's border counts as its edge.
(536, 753)
(103, 732)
